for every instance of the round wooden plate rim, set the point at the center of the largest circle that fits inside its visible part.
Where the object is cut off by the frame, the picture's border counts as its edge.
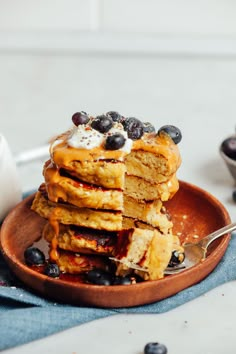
(29, 276)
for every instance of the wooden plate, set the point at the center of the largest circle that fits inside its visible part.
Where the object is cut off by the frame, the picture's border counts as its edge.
(195, 213)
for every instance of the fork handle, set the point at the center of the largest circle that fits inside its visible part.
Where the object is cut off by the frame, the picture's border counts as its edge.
(206, 241)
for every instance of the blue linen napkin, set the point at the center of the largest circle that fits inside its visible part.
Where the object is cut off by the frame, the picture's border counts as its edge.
(25, 316)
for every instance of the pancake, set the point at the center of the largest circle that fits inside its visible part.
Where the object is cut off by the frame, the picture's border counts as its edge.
(73, 191)
(75, 263)
(68, 214)
(104, 173)
(82, 240)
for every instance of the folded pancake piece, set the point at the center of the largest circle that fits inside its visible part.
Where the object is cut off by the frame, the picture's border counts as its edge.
(82, 240)
(67, 189)
(69, 214)
(148, 249)
(157, 257)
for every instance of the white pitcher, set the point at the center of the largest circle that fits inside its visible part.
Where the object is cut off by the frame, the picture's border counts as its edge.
(10, 188)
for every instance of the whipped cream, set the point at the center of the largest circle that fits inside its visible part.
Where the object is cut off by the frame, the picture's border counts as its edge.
(10, 189)
(85, 137)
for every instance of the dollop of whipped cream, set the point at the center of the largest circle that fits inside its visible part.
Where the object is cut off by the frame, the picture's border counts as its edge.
(85, 137)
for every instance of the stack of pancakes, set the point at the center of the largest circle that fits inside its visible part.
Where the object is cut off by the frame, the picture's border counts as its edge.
(104, 203)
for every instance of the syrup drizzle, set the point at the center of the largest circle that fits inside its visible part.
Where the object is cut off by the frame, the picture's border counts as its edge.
(53, 254)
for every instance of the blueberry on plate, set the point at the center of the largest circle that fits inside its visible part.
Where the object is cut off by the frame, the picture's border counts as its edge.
(52, 270)
(172, 131)
(116, 117)
(134, 128)
(148, 128)
(34, 256)
(118, 280)
(114, 142)
(79, 118)
(176, 258)
(155, 348)
(99, 277)
(229, 147)
(102, 123)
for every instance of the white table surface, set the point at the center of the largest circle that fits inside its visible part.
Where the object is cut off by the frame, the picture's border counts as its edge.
(39, 95)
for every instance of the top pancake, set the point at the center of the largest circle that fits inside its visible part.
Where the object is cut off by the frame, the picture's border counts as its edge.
(154, 157)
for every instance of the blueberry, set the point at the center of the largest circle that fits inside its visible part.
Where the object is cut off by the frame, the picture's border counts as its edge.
(52, 270)
(99, 277)
(148, 128)
(80, 118)
(229, 147)
(122, 280)
(134, 128)
(172, 131)
(176, 258)
(138, 279)
(33, 256)
(114, 142)
(102, 123)
(155, 348)
(94, 274)
(116, 117)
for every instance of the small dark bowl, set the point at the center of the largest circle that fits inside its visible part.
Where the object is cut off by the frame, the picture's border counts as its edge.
(230, 163)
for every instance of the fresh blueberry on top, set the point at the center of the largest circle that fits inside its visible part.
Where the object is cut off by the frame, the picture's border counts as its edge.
(155, 348)
(176, 258)
(34, 256)
(172, 131)
(52, 270)
(102, 123)
(116, 117)
(134, 128)
(79, 118)
(114, 142)
(148, 128)
(229, 147)
(99, 277)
